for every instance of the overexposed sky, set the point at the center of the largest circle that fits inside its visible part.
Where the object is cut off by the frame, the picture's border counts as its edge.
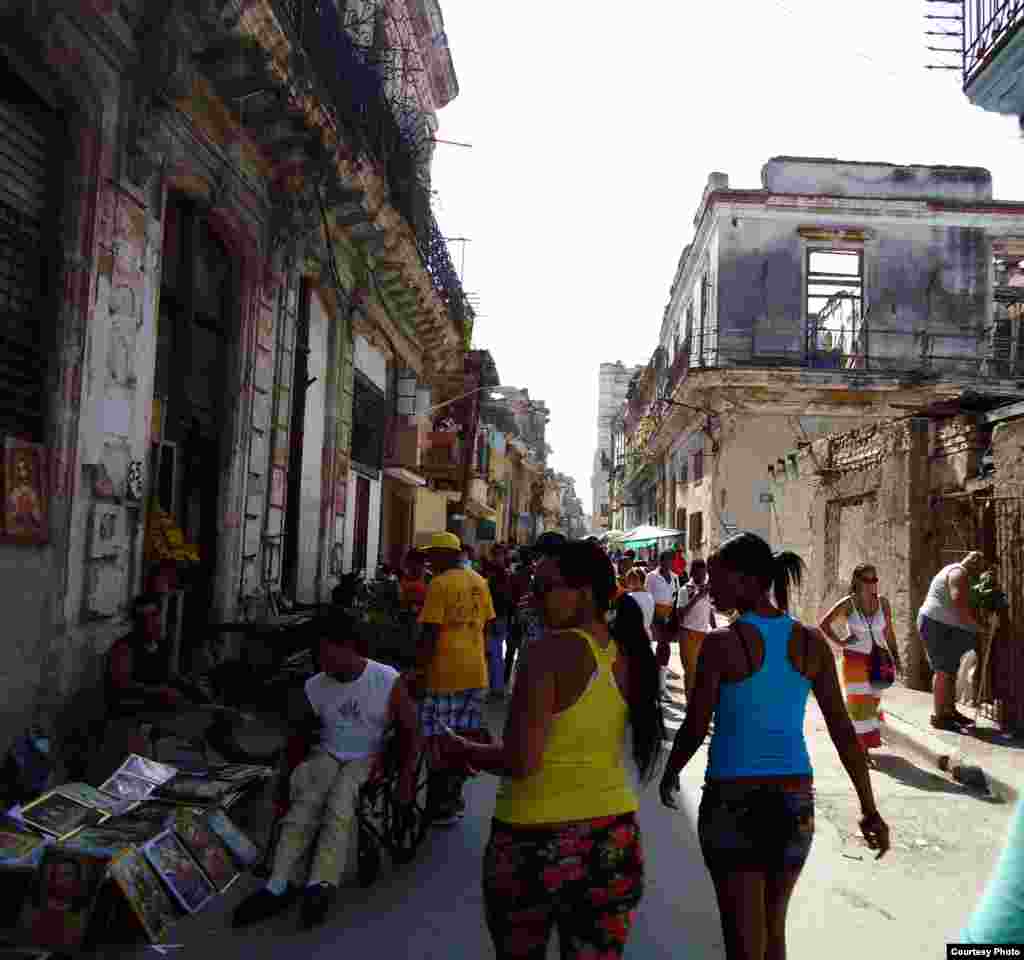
(594, 127)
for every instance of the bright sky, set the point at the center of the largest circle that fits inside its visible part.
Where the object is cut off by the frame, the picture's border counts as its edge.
(593, 136)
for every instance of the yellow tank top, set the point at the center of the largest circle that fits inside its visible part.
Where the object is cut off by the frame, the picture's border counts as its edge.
(582, 775)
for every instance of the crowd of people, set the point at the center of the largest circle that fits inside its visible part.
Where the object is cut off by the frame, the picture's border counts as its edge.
(574, 639)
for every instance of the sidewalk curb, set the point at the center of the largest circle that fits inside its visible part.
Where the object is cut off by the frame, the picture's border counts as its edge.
(939, 752)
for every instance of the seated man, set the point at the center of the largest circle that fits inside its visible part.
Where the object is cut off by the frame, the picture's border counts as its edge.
(140, 685)
(352, 703)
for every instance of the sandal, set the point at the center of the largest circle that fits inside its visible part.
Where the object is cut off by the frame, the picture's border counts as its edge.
(962, 719)
(946, 723)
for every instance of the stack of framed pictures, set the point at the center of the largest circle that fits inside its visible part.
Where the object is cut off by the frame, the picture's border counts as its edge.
(81, 866)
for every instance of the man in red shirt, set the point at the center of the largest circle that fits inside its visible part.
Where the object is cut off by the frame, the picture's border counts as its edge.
(679, 563)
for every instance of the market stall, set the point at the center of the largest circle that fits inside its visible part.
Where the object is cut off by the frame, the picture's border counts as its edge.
(84, 866)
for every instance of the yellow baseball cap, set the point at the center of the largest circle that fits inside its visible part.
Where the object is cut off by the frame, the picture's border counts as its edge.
(444, 541)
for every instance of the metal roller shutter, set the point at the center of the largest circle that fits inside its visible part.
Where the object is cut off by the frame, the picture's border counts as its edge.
(26, 201)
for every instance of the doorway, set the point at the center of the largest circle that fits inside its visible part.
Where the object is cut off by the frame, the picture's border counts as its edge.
(361, 534)
(196, 285)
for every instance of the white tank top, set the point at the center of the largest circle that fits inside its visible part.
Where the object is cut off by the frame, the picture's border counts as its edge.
(861, 629)
(354, 714)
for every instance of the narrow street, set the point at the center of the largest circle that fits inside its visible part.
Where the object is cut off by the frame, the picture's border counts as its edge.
(944, 841)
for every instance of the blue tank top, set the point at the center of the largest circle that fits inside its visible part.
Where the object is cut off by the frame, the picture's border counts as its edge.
(759, 722)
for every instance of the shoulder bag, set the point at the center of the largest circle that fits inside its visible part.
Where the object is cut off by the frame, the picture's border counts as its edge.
(882, 669)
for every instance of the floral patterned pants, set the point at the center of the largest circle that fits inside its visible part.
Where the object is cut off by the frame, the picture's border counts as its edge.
(586, 880)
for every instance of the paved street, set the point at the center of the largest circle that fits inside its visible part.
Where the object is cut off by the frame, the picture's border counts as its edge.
(944, 841)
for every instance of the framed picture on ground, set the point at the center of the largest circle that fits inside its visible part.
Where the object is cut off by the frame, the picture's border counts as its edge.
(208, 849)
(127, 786)
(179, 871)
(145, 894)
(147, 769)
(58, 909)
(59, 816)
(90, 796)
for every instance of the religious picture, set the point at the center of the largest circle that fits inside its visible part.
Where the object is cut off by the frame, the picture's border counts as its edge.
(245, 852)
(208, 849)
(58, 815)
(126, 786)
(25, 492)
(144, 891)
(67, 882)
(147, 769)
(102, 841)
(241, 772)
(176, 867)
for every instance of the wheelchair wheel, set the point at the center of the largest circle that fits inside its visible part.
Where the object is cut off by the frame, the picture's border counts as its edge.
(407, 826)
(367, 858)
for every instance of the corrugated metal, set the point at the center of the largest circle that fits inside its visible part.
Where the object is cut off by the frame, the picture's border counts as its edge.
(25, 200)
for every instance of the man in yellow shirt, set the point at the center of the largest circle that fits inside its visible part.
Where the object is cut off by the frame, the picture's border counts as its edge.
(451, 663)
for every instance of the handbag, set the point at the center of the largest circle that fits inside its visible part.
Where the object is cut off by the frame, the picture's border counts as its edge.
(882, 668)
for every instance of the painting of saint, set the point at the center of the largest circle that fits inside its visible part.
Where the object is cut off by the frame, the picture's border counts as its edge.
(144, 892)
(25, 513)
(176, 867)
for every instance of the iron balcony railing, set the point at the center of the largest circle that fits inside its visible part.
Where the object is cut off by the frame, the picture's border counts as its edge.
(347, 80)
(986, 24)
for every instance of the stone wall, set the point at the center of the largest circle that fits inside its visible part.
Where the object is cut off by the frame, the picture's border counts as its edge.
(868, 496)
(1008, 454)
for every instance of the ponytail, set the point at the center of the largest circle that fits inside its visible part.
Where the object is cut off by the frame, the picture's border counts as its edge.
(787, 571)
(644, 700)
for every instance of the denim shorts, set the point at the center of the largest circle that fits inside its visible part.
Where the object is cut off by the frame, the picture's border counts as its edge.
(757, 827)
(945, 645)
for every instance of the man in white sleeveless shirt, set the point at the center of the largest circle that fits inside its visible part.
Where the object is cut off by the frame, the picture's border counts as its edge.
(351, 704)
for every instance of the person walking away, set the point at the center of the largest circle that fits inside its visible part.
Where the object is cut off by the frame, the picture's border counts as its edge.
(347, 708)
(499, 582)
(869, 622)
(451, 669)
(520, 586)
(414, 582)
(949, 628)
(679, 563)
(565, 846)
(756, 818)
(696, 619)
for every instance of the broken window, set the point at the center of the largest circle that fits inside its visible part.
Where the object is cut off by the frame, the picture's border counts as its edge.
(835, 288)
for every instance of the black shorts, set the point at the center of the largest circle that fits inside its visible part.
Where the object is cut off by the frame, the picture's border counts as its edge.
(757, 827)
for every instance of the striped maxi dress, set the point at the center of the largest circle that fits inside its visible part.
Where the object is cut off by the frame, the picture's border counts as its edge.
(863, 700)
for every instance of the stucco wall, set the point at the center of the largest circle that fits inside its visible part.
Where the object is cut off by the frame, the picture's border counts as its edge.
(1008, 454)
(917, 277)
(847, 179)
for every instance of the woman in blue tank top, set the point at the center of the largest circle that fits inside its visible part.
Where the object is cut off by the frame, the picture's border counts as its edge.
(756, 818)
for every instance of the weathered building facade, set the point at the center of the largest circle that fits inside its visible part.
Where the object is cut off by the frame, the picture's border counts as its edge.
(613, 381)
(837, 298)
(220, 256)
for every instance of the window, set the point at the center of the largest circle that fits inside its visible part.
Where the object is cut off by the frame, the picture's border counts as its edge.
(696, 538)
(681, 524)
(835, 287)
(604, 509)
(698, 466)
(30, 135)
(369, 416)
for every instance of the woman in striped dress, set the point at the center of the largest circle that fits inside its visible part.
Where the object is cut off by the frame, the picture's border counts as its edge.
(868, 621)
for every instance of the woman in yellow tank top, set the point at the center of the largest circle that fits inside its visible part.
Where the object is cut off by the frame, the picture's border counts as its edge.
(565, 846)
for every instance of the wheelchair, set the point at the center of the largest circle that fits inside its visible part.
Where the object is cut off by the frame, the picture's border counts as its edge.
(382, 822)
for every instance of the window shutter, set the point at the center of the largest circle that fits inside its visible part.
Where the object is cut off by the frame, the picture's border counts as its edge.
(26, 153)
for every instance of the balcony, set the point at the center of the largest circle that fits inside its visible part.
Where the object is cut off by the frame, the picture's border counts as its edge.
(348, 80)
(993, 54)
(442, 462)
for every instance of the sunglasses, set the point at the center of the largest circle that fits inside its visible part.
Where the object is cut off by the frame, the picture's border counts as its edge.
(869, 579)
